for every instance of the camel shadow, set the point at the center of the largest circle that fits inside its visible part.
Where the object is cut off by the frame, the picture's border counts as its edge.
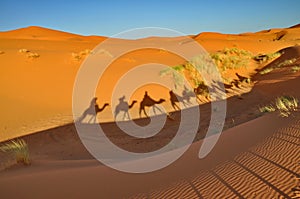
(149, 102)
(185, 99)
(123, 106)
(92, 110)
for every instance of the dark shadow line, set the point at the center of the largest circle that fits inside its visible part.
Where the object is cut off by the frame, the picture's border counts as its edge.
(276, 164)
(263, 180)
(226, 184)
(196, 190)
(289, 135)
(294, 127)
(286, 141)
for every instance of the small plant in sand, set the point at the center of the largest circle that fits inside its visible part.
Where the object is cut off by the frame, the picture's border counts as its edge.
(295, 69)
(81, 54)
(32, 55)
(286, 104)
(189, 70)
(267, 109)
(1, 52)
(286, 63)
(266, 71)
(24, 50)
(175, 72)
(262, 58)
(29, 54)
(19, 149)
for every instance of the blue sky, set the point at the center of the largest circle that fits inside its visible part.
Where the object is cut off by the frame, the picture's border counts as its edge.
(113, 16)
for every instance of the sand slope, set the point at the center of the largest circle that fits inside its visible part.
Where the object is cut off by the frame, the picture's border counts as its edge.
(257, 155)
(36, 93)
(256, 159)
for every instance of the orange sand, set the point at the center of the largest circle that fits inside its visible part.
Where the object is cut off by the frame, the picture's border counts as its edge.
(254, 158)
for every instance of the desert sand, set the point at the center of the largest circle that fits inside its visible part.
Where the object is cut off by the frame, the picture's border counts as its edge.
(257, 155)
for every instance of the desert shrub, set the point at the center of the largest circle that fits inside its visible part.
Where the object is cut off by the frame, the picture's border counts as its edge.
(175, 72)
(286, 104)
(262, 58)
(28, 53)
(267, 109)
(286, 62)
(32, 55)
(80, 55)
(19, 149)
(85, 52)
(266, 71)
(231, 58)
(76, 56)
(24, 50)
(295, 69)
(190, 70)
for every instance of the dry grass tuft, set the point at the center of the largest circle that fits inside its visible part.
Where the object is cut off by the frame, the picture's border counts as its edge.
(29, 54)
(19, 149)
(285, 105)
(82, 54)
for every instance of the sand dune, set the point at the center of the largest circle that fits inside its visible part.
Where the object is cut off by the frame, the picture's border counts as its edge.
(257, 155)
(245, 163)
(43, 81)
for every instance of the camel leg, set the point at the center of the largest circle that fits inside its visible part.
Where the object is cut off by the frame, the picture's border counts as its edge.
(128, 116)
(95, 118)
(145, 112)
(198, 99)
(82, 117)
(175, 106)
(188, 101)
(184, 104)
(116, 113)
(155, 107)
(140, 112)
(90, 119)
(124, 115)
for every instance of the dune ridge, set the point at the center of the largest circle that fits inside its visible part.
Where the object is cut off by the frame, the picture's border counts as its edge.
(257, 155)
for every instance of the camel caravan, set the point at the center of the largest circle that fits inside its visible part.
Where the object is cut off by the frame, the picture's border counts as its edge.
(201, 93)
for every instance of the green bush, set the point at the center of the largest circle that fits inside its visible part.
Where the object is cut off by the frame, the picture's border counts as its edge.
(285, 105)
(231, 58)
(295, 69)
(19, 149)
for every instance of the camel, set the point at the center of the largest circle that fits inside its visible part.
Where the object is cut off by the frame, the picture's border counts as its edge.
(176, 98)
(123, 106)
(92, 110)
(149, 102)
(226, 86)
(187, 95)
(202, 89)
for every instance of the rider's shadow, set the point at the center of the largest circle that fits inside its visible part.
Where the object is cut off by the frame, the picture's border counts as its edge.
(123, 106)
(92, 111)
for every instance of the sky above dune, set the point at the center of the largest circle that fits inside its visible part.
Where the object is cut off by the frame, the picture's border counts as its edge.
(108, 18)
